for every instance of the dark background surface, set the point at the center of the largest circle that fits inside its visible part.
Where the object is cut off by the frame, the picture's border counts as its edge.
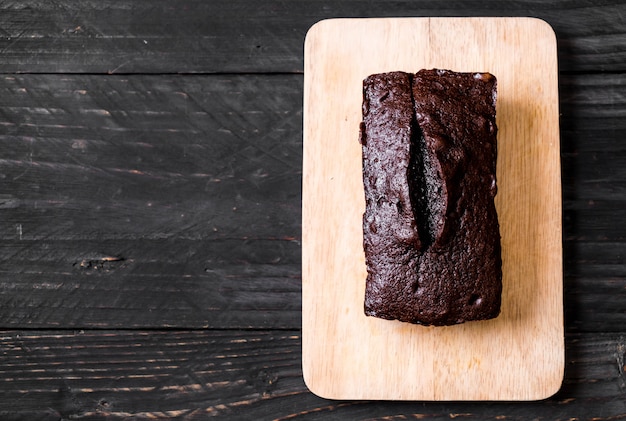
(150, 220)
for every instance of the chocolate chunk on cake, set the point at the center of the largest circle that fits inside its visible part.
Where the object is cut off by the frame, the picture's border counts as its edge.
(431, 233)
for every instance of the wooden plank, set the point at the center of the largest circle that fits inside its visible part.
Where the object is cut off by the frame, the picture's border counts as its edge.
(594, 259)
(156, 157)
(151, 283)
(594, 221)
(594, 286)
(150, 201)
(594, 175)
(237, 36)
(592, 96)
(595, 305)
(190, 375)
(592, 108)
(339, 342)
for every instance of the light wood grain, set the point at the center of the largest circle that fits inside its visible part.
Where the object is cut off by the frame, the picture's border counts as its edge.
(519, 355)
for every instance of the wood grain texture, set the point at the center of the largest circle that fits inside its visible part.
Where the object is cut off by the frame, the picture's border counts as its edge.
(192, 153)
(152, 201)
(155, 36)
(191, 375)
(350, 356)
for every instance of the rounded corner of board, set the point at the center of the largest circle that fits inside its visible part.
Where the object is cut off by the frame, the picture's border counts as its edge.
(542, 25)
(314, 387)
(319, 26)
(549, 392)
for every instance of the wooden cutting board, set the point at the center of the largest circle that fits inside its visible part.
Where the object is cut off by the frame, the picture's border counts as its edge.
(346, 355)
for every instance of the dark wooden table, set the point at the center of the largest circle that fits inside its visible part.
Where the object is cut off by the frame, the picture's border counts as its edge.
(150, 217)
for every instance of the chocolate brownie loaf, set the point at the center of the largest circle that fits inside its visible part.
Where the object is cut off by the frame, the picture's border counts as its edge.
(431, 233)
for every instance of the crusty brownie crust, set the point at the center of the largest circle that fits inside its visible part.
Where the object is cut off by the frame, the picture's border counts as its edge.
(431, 233)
